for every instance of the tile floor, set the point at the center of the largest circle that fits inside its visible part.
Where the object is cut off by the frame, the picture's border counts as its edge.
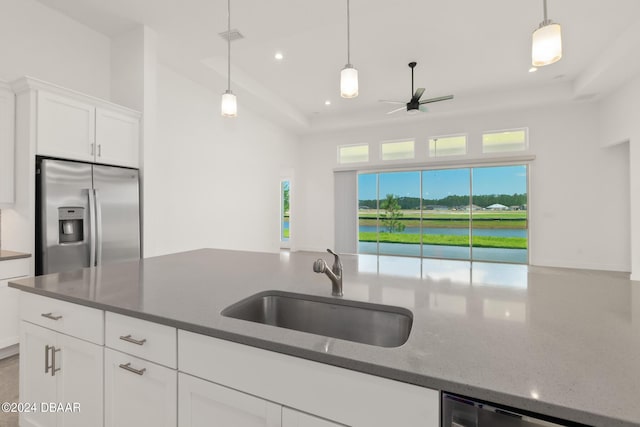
(9, 389)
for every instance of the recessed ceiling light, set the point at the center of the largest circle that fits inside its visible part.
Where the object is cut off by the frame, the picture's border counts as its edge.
(327, 102)
(533, 69)
(279, 56)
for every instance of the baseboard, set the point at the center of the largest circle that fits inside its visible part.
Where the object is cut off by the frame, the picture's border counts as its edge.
(12, 350)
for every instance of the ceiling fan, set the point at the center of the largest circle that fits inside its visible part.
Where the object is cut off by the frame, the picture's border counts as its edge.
(415, 105)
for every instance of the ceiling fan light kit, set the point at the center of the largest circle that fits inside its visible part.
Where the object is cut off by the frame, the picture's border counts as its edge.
(348, 75)
(546, 46)
(229, 104)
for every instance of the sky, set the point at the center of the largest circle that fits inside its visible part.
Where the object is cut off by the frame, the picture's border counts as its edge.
(438, 184)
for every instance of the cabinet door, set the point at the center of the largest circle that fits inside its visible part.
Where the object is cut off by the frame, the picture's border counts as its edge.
(293, 418)
(117, 138)
(205, 404)
(36, 382)
(66, 127)
(138, 393)
(9, 333)
(80, 382)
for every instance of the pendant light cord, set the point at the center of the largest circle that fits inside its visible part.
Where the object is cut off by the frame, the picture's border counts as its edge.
(348, 34)
(228, 44)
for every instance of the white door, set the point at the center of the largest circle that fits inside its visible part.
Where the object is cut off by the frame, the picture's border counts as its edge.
(80, 382)
(138, 392)
(37, 384)
(205, 404)
(293, 418)
(117, 137)
(66, 127)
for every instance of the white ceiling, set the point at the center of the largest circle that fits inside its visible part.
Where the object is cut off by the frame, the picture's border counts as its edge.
(477, 50)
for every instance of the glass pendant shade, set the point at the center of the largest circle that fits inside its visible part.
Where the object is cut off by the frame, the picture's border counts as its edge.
(349, 82)
(229, 106)
(546, 46)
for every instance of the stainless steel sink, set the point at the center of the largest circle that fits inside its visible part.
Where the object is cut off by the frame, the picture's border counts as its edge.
(374, 324)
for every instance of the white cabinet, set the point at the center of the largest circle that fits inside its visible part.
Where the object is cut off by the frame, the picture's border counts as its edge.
(293, 418)
(65, 127)
(57, 368)
(62, 123)
(202, 403)
(9, 319)
(327, 392)
(141, 338)
(138, 392)
(117, 138)
(7, 146)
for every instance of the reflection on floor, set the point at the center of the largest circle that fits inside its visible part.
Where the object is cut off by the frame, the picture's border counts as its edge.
(9, 389)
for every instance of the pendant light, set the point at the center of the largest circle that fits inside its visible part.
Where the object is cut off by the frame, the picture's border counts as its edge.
(348, 75)
(546, 47)
(229, 105)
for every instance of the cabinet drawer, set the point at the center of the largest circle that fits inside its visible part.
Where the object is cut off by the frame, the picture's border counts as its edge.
(13, 268)
(148, 340)
(72, 319)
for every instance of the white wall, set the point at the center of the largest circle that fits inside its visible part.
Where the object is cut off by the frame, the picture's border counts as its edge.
(620, 121)
(215, 182)
(579, 191)
(40, 42)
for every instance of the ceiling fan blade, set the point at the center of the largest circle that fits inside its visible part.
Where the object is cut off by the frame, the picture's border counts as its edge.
(438, 99)
(391, 102)
(418, 94)
(423, 109)
(396, 110)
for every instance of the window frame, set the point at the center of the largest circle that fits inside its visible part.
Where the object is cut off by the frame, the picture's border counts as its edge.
(397, 141)
(436, 137)
(499, 153)
(364, 144)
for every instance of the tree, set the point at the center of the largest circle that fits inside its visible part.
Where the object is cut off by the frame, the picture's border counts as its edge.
(285, 197)
(392, 214)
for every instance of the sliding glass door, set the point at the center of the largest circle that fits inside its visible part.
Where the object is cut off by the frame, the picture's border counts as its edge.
(465, 213)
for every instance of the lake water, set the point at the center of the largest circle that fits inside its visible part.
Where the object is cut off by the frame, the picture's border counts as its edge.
(498, 232)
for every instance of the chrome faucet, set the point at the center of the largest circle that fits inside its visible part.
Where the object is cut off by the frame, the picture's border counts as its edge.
(334, 274)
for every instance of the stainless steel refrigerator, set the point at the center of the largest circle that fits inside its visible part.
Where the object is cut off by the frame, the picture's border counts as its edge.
(87, 215)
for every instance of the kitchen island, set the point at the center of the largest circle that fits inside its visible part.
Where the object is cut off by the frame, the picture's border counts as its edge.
(558, 342)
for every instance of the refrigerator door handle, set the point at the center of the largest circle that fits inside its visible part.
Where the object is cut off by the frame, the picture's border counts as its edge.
(92, 228)
(98, 228)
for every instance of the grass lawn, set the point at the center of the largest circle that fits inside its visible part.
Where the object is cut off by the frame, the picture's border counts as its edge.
(454, 219)
(447, 240)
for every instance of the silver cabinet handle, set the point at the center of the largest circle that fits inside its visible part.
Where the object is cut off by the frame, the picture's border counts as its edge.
(51, 367)
(128, 338)
(99, 150)
(127, 367)
(51, 316)
(46, 358)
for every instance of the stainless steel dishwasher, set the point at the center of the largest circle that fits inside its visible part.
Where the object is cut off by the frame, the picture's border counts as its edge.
(463, 412)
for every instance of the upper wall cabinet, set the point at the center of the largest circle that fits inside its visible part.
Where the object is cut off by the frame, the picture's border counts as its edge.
(65, 127)
(117, 137)
(7, 146)
(71, 125)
